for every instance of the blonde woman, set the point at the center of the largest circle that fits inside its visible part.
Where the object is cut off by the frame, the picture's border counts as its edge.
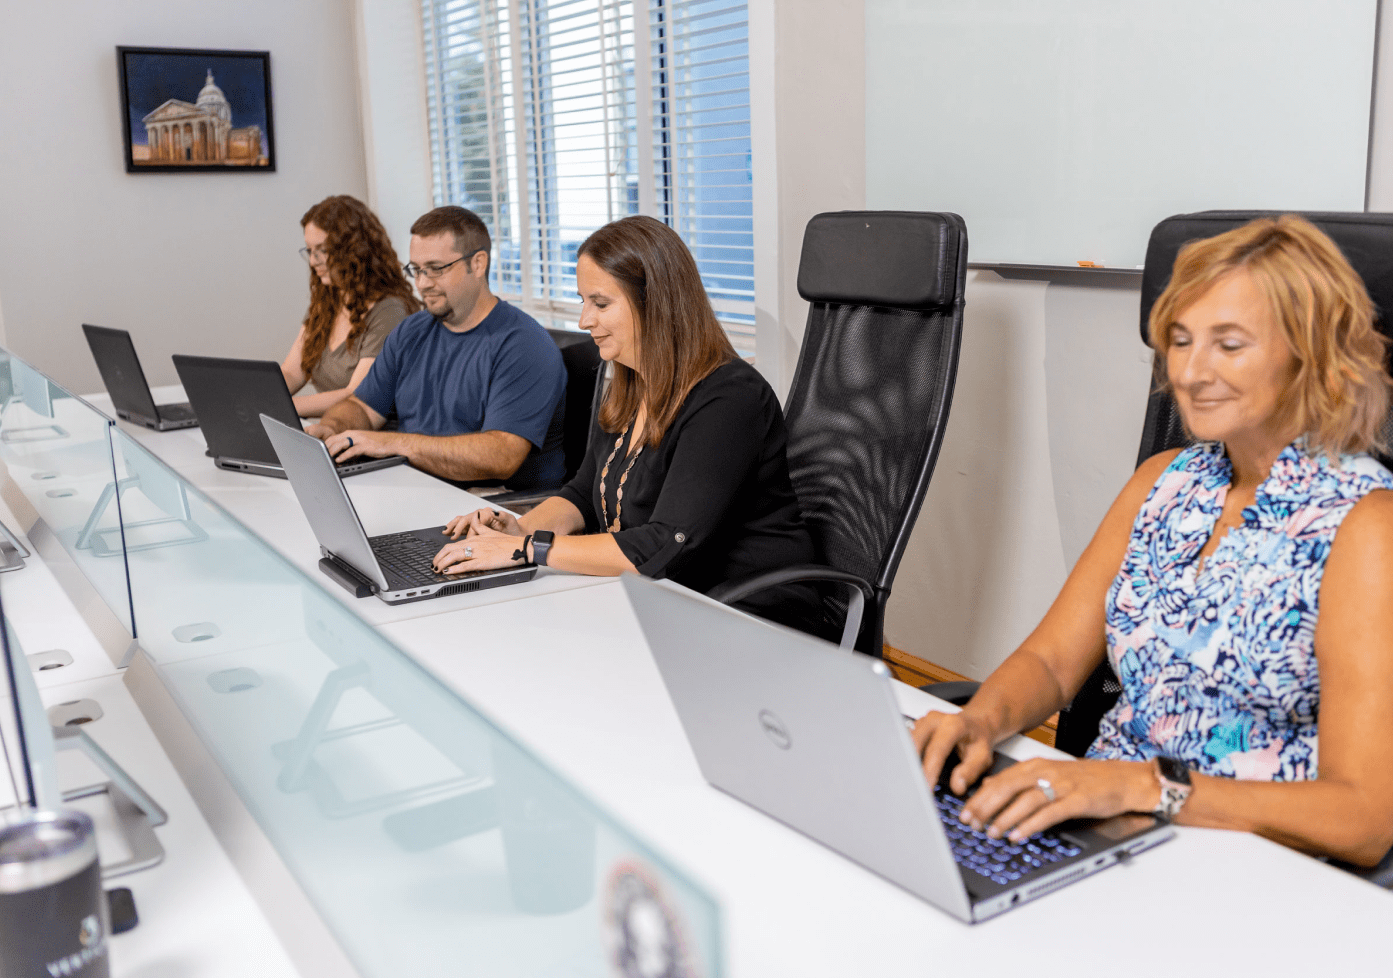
(1242, 588)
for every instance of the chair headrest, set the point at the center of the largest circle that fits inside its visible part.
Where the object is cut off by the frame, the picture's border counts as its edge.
(903, 259)
(1365, 239)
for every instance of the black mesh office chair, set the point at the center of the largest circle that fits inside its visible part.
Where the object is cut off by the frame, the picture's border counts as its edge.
(1365, 239)
(583, 369)
(869, 402)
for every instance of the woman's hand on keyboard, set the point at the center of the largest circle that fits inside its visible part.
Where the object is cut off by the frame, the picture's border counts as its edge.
(1031, 796)
(475, 523)
(937, 735)
(484, 549)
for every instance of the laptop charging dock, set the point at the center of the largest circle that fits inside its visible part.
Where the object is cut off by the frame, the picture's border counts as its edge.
(347, 578)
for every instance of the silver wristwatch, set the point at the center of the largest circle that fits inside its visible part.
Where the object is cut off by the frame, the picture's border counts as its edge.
(1174, 778)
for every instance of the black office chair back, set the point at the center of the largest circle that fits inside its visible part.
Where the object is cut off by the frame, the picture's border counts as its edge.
(870, 397)
(1367, 242)
(582, 359)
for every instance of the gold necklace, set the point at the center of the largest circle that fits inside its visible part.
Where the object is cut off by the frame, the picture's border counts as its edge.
(619, 491)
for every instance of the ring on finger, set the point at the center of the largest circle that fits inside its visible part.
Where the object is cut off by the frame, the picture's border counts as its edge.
(1046, 788)
(350, 441)
(469, 551)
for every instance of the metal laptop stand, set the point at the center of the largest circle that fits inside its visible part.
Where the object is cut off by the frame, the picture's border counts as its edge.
(302, 773)
(42, 432)
(137, 813)
(91, 538)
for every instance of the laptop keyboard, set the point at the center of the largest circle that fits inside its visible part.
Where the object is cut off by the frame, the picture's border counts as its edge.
(998, 860)
(409, 558)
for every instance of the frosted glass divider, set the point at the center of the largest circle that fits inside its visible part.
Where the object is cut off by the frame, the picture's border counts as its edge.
(58, 456)
(428, 839)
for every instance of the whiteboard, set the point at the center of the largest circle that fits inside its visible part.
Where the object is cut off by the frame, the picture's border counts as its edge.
(1064, 130)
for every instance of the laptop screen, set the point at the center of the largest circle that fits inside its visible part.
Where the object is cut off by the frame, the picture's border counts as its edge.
(121, 372)
(229, 396)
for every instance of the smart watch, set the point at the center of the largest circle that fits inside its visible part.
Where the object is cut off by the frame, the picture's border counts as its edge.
(1174, 778)
(541, 543)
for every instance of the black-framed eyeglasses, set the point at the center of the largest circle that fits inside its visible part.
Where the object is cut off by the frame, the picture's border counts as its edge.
(309, 255)
(433, 272)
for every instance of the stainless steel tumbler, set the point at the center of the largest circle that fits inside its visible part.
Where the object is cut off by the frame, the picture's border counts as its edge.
(53, 914)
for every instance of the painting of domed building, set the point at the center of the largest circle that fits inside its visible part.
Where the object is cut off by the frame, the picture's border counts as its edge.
(196, 110)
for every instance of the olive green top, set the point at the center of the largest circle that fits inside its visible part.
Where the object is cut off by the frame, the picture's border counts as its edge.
(335, 367)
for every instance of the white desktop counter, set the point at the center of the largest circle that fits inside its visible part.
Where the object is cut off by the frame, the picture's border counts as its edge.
(561, 664)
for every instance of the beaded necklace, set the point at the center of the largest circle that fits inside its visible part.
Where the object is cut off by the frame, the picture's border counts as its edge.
(619, 491)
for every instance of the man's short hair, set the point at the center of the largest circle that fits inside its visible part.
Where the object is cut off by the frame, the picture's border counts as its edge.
(470, 233)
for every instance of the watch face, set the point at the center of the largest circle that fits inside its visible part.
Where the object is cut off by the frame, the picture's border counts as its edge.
(1173, 770)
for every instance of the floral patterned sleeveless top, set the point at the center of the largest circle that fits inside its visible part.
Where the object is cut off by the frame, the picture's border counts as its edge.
(1218, 666)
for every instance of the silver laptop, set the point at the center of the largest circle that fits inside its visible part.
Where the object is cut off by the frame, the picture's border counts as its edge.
(395, 566)
(812, 735)
(121, 372)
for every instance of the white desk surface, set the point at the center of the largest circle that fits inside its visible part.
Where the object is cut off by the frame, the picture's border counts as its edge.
(196, 916)
(590, 700)
(387, 501)
(568, 672)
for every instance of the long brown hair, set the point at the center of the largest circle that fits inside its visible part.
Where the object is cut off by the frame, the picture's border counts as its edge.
(1340, 393)
(363, 270)
(679, 340)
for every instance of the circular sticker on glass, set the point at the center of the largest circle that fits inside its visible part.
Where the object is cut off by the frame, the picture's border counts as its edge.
(645, 935)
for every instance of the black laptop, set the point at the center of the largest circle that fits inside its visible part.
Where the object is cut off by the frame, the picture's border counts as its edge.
(229, 396)
(125, 382)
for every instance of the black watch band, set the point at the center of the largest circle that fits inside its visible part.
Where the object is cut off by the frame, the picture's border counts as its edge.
(541, 543)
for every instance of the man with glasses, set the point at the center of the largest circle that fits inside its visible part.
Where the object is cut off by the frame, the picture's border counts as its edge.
(478, 385)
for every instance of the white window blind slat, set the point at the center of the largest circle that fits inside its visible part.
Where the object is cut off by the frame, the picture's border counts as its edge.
(535, 124)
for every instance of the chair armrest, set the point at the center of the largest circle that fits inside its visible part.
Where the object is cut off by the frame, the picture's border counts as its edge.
(1379, 875)
(957, 693)
(730, 592)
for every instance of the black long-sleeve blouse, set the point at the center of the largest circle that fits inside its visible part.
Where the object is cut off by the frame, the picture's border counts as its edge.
(712, 501)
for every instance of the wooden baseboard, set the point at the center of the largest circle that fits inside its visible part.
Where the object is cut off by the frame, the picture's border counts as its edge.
(915, 671)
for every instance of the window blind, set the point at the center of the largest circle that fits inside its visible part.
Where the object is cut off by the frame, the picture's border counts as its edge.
(549, 118)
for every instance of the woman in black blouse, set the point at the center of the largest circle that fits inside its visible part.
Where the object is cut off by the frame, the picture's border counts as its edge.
(686, 477)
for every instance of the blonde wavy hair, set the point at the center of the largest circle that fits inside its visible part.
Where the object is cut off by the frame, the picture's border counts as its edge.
(1339, 394)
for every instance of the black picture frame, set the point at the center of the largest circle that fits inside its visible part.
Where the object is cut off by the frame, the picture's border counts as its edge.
(173, 121)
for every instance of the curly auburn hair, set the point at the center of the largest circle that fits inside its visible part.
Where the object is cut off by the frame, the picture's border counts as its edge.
(1339, 394)
(363, 269)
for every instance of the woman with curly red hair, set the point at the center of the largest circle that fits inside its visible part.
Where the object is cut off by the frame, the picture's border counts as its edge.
(358, 295)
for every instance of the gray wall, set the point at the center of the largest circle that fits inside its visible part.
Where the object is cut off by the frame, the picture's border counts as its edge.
(190, 262)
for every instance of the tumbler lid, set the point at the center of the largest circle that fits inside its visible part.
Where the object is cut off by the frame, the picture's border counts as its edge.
(38, 848)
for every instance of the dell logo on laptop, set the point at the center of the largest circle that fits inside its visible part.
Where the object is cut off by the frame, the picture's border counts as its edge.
(775, 730)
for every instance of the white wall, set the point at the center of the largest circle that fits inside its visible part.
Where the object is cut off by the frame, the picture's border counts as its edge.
(1046, 420)
(396, 132)
(807, 115)
(1044, 431)
(188, 262)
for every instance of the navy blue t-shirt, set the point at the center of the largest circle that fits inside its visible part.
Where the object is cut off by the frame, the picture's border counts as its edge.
(505, 374)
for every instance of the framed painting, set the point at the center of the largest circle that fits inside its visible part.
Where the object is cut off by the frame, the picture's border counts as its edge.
(186, 110)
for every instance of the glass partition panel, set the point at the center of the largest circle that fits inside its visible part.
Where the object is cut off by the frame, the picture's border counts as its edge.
(429, 841)
(57, 454)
